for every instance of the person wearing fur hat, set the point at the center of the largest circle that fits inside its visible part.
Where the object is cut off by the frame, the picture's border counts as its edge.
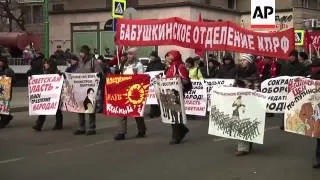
(50, 67)
(132, 66)
(6, 71)
(228, 68)
(246, 77)
(87, 64)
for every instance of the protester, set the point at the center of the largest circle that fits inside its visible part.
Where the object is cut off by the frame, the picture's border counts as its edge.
(95, 53)
(303, 59)
(74, 64)
(268, 68)
(155, 64)
(213, 68)
(60, 56)
(193, 69)
(177, 68)
(132, 66)
(87, 65)
(246, 77)
(292, 68)
(228, 68)
(105, 70)
(6, 71)
(50, 67)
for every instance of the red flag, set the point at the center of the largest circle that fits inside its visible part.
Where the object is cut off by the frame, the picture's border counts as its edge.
(199, 52)
(125, 95)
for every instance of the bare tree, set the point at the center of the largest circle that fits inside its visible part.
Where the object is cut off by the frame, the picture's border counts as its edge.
(13, 12)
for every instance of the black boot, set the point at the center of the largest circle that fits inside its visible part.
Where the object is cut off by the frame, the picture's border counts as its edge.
(316, 165)
(119, 137)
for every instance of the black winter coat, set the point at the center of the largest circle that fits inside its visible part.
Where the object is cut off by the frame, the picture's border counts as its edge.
(227, 71)
(293, 69)
(155, 65)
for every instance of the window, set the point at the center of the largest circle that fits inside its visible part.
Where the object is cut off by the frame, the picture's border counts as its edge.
(58, 7)
(232, 4)
(132, 3)
(305, 3)
(37, 14)
(27, 14)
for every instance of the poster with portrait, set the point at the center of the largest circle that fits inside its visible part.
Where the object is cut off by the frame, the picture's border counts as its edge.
(126, 95)
(214, 83)
(152, 98)
(170, 97)
(5, 95)
(44, 93)
(302, 114)
(79, 92)
(195, 100)
(238, 113)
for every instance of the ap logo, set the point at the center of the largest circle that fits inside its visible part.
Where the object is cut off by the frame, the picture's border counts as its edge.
(263, 14)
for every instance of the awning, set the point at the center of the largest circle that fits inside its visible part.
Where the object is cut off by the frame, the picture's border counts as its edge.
(19, 40)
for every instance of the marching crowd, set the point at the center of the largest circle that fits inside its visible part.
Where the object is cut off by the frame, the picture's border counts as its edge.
(249, 72)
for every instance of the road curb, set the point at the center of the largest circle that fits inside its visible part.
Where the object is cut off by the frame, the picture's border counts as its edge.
(19, 109)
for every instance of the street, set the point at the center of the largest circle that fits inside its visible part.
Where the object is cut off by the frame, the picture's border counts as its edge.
(51, 155)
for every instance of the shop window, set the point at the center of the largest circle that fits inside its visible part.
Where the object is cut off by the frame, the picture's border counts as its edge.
(232, 4)
(37, 14)
(27, 14)
(58, 7)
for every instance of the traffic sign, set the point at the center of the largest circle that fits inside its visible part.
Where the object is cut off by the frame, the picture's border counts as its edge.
(118, 8)
(299, 37)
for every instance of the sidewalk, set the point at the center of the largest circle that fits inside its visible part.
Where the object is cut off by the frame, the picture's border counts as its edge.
(19, 100)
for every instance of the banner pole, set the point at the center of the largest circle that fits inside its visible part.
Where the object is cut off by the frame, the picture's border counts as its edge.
(207, 63)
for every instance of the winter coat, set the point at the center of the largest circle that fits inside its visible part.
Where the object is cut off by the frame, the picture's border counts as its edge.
(195, 73)
(267, 71)
(247, 77)
(73, 69)
(177, 67)
(293, 69)
(227, 71)
(155, 65)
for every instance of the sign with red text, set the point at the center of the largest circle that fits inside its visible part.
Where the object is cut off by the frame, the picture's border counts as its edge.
(44, 94)
(5, 95)
(302, 115)
(216, 36)
(170, 97)
(195, 100)
(238, 113)
(152, 98)
(312, 42)
(80, 92)
(126, 95)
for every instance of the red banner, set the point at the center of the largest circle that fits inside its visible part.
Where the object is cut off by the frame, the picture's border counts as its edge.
(218, 36)
(125, 95)
(312, 40)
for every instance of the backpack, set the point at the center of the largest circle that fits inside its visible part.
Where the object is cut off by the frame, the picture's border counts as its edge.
(186, 83)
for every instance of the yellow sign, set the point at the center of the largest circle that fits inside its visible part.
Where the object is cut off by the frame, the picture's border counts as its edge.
(118, 8)
(299, 37)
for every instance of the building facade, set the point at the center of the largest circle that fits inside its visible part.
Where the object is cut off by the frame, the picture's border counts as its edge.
(77, 22)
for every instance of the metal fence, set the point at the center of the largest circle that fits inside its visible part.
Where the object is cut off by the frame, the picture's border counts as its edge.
(18, 62)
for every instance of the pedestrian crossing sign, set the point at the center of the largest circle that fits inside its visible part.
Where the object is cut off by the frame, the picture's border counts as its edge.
(299, 37)
(118, 8)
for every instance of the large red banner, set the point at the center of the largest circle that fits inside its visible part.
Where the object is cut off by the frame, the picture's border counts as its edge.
(312, 40)
(125, 95)
(218, 36)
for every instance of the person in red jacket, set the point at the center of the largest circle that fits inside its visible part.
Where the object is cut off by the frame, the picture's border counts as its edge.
(176, 68)
(267, 68)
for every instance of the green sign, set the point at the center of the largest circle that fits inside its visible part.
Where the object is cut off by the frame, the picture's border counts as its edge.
(118, 8)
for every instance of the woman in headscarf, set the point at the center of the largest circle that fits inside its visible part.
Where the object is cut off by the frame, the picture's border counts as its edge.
(176, 68)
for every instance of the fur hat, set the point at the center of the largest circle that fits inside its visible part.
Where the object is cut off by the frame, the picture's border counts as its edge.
(132, 50)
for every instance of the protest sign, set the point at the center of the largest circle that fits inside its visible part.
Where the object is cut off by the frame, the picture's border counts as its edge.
(213, 83)
(5, 95)
(79, 92)
(152, 98)
(195, 100)
(126, 95)
(276, 89)
(302, 115)
(170, 97)
(238, 113)
(44, 94)
(210, 36)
